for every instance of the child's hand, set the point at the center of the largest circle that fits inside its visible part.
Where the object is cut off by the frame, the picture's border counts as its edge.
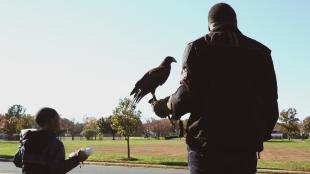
(81, 156)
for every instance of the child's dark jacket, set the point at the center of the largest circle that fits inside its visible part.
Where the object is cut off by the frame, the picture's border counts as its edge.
(41, 152)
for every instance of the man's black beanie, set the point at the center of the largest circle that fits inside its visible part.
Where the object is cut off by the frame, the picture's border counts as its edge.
(222, 12)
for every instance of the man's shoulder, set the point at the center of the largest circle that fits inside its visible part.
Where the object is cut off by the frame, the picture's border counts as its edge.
(254, 44)
(245, 41)
(201, 40)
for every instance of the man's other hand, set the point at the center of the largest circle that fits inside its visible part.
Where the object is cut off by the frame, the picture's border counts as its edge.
(160, 107)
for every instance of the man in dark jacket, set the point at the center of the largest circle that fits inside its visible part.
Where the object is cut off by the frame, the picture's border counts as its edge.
(41, 152)
(228, 85)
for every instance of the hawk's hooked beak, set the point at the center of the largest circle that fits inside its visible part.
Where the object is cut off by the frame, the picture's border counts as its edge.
(173, 60)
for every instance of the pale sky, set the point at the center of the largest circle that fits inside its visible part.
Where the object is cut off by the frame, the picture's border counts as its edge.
(81, 57)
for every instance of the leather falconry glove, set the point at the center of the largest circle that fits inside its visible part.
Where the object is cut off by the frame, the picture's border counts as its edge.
(161, 107)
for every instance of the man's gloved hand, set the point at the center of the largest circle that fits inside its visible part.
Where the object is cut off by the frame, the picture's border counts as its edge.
(161, 107)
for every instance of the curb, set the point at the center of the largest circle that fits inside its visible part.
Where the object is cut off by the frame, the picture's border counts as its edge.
(6, 159)
(281, 171)
(134, 165)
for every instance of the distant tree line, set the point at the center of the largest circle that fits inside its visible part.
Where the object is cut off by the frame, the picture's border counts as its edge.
(15, 120)
(126, 122)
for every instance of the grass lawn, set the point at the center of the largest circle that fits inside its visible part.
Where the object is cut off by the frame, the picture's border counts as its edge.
(278, 154)
(8, 148)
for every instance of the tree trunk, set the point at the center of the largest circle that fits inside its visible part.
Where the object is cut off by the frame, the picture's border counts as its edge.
(113, 136)
(128, 148)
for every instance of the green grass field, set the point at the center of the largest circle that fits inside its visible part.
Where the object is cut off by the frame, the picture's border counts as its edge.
(278, 154)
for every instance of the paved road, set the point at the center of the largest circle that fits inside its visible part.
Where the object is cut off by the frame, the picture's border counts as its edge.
(9, 168)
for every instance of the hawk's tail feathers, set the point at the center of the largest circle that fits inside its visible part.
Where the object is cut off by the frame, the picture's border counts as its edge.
(135, 90)
(137, 95)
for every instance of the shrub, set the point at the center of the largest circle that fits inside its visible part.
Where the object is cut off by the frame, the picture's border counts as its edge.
(88, 133)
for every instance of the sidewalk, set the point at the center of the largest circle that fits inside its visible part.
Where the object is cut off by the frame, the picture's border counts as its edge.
(265, 171)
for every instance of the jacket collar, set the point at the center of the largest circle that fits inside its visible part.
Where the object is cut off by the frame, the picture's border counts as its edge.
(222, 27)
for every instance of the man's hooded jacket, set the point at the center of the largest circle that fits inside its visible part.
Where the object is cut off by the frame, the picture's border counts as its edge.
(228, 85)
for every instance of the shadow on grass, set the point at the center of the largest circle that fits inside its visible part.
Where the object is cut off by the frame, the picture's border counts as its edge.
(174, 163)
(7, 156)
(280, 141)
(130, 159)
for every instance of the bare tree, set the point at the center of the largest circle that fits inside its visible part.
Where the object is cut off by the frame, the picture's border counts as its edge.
(90, 123)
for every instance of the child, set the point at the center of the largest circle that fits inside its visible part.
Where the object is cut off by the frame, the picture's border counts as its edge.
(41, 152)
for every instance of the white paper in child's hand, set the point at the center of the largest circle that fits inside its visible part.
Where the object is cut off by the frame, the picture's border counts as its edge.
(88, 151)
(72, 154)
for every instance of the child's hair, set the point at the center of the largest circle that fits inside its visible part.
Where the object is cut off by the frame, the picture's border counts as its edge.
(45, 115)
